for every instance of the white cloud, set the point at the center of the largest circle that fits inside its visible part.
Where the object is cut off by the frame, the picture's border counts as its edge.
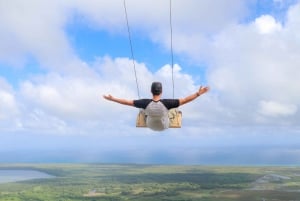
(66, 104)
(65, 96)
(247, 67)
(10, 108)
(8, 104)
(34, 28)
(267, 24)
(39, 122)
(275, 109)
(193, 23)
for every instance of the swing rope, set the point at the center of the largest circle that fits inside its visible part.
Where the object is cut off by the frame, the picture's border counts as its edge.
(132, 56)
(172, 57)
(131, 48)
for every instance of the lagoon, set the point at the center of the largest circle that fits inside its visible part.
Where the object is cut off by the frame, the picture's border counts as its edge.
(22, 175)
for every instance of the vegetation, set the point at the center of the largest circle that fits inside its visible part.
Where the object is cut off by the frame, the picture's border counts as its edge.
(109, 182)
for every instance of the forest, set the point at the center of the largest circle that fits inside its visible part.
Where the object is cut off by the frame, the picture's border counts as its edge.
(117, 182)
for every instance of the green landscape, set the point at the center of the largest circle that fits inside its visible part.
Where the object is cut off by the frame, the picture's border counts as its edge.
(112, 182)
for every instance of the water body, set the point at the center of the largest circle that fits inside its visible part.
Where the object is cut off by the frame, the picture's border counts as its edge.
(22, 175)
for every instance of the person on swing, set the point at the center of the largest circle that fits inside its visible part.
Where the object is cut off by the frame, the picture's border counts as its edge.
(156, 109)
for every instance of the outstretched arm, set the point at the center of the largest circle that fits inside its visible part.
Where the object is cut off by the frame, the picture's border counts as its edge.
(118, 100)
(192, 97)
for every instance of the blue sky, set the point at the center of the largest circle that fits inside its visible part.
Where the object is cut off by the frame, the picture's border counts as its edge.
(57, 59)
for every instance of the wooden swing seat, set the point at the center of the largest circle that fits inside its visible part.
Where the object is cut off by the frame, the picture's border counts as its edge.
(175, 117)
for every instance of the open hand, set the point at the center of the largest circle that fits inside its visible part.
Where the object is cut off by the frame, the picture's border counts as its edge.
(203, 90)
(108, 97)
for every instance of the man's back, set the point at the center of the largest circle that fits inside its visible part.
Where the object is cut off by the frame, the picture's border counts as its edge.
(157, 116)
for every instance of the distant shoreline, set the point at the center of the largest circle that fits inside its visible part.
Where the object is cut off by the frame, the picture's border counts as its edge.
(14, 175)
(38, 166)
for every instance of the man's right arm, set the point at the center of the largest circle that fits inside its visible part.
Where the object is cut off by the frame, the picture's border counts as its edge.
(118, 100)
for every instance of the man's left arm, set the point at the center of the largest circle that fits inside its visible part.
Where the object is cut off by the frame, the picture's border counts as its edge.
(192, 97)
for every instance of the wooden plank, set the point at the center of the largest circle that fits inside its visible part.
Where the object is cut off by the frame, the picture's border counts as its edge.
(175, 117)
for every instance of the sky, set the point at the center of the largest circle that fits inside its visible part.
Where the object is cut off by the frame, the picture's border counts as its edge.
(57, 59)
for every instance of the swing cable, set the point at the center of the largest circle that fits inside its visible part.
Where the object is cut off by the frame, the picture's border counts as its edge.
(131, 48)
(132, 56)
(172, 57)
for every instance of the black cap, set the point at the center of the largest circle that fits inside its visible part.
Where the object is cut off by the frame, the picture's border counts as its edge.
(156, 88)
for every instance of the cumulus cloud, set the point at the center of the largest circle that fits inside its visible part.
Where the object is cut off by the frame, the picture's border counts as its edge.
(254, 62)
(275, 109)
(33, 28)
(267, 24)
(10, 108)
(69, 97)
(57, 101)
(247, 63)
(40, 30)
(8, 103)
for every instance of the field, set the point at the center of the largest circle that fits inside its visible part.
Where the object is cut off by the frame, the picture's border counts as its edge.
(109, 182)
